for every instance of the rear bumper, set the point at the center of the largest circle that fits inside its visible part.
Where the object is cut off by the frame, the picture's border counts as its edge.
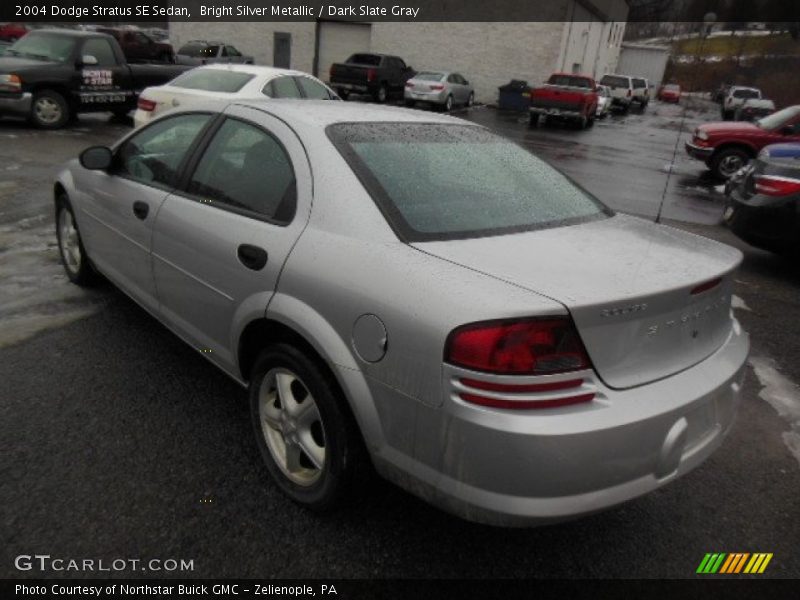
(18, 105)
(699, 152)
(556, 112)
(518, 468)
(432, 97)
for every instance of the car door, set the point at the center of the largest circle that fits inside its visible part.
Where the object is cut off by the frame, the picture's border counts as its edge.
(221, 239)
(104, 85)
(121, 205)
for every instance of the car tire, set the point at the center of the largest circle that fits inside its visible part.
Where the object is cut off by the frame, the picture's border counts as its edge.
(533, 120)
(343, 94)
(727, 161)
(49, 110)
(448, 103)
(314, 452)
(165, 57)
(471, 99)
(73, 255)
(410, 103)
(381, 94)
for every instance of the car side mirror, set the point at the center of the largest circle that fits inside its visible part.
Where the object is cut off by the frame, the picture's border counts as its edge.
(88, 60)
(96, 158)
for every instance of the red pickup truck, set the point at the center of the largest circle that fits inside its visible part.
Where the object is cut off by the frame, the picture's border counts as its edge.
(565, 96)
(728, 146)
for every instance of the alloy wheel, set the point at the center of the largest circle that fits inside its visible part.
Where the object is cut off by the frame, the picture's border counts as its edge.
(69, 241)
(47, 110)
(292, 426)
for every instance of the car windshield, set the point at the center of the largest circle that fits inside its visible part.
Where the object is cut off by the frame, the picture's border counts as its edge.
(672, 88)
(429, 76)
(778, 119)
(43, 46)
(745, 93)
(614, 81)
(437, 181)
(212, 80)
(199, 50)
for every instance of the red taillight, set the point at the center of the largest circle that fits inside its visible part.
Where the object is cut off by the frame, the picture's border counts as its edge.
(437, 87)
(529, 347)
(146, 105)
(371, 73)
(773, 185)
(704, 287)
(409, 84)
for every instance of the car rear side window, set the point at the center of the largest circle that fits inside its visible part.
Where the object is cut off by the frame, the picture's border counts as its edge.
(282, 87)
(569, 81)
(435, 181)
(154, 155)
(313, 90)
(247, 170)
(639, 83)
(212, 80)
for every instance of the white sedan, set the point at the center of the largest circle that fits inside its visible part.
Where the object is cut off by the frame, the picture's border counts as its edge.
(229, 82)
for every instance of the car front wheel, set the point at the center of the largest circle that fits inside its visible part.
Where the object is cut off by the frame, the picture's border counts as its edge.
(49, 110)
(306, 435)
(727, 161)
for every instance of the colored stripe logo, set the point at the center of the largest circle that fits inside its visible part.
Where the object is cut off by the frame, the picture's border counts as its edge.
(734, 562)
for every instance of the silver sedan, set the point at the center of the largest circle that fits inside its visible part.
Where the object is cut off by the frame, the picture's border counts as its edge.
(416, 294)
(440, 88)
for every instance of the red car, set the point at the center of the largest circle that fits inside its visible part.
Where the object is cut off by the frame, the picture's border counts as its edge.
(11, 32)
(565, 96)
(670, 93)
(728, 146)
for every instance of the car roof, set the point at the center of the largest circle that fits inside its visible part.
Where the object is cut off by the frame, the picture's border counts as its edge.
(71, 32)
(251, 69)
(321, 113)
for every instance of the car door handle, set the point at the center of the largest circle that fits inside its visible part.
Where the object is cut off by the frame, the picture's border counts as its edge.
(252, 257)
(140, 209)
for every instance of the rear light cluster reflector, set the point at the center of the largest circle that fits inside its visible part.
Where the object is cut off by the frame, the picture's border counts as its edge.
(547, 395)
(774, 185)
(437, 87)
(145, 105)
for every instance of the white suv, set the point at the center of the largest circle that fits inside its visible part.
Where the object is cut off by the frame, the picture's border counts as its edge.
(621, 89)
(641, 91)
(736, 97)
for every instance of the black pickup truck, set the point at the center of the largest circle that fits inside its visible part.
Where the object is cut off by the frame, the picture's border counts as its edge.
(374, 74)
(51, 75)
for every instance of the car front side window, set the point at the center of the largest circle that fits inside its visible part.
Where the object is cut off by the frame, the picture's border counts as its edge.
(247, 170)
(154, 155)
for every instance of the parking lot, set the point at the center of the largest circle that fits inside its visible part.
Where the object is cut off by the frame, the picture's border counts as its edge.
(121, 441)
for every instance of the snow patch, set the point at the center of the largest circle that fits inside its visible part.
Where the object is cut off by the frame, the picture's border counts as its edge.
(784, 396)
(738, 303)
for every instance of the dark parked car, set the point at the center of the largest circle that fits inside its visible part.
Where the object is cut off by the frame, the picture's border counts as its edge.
(374, 74)
(763, 200)
(201, 52)
(11, 32)
(140, 47)
(727, 146)
(52, 74)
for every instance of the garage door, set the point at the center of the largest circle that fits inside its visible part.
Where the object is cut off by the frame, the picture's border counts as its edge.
(337, 41)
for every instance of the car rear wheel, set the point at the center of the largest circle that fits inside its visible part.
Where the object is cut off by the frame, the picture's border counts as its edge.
(70, 246)
(49, 110)
(727, 161)
(448, 103)
(306, 435)
(471, 99)
(381, 94)
(343, 94)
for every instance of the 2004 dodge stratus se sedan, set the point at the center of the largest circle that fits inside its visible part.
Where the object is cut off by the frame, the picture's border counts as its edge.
(414, 292)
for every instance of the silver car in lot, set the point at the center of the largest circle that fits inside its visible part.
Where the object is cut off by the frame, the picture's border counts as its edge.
(417, 294)
(440, 88)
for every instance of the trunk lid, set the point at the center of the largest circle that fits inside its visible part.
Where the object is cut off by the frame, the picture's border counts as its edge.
(627, 284)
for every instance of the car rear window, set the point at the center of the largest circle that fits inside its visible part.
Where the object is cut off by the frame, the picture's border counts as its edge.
(440, 181)
(672, 87)
(212, 80)
(746, 94)
(429, 76)
(639, 83)
(614, 81)
(365, 59)
(569, 80)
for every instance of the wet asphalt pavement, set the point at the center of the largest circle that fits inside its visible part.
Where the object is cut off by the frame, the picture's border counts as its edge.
(119, 441)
